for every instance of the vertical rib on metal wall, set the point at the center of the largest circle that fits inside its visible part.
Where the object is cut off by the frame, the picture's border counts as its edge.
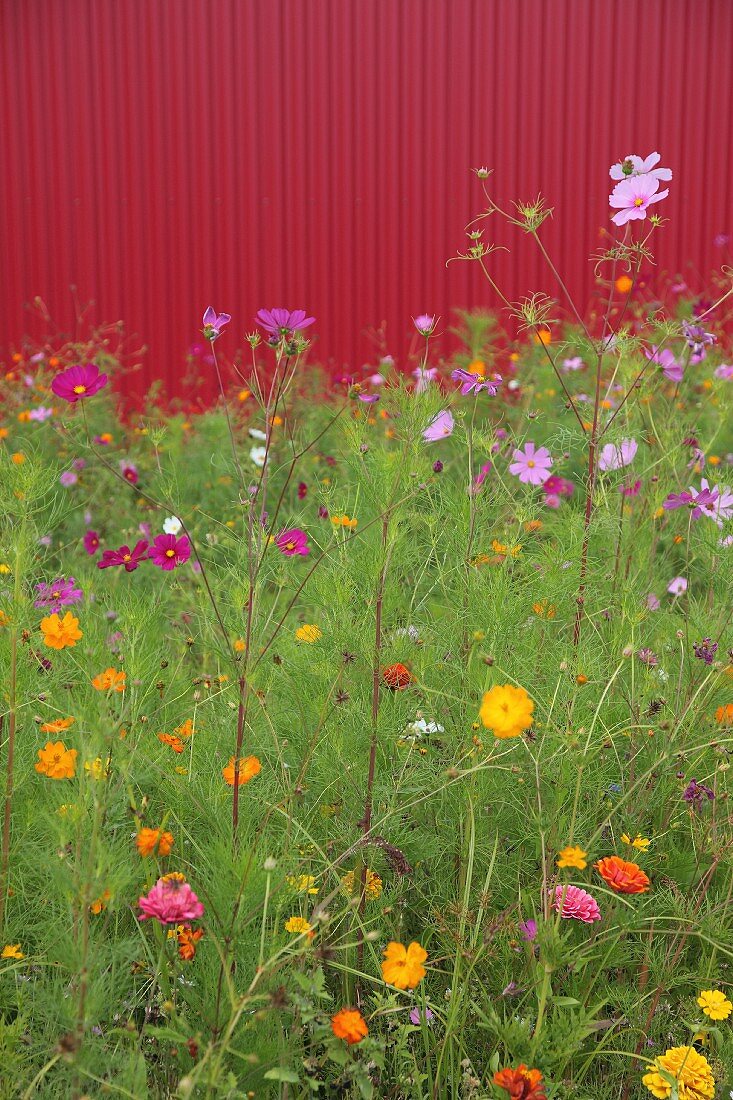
(161, 155)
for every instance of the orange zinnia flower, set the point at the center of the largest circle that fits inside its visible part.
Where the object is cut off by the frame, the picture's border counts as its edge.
(109, 680)
(623, 876)
(56, 761)
(521, 1083)
(59, 633)
(148, 839)
(349, 1024)
(249, 767)
(402, 965)
(175, 742)
(58, 726)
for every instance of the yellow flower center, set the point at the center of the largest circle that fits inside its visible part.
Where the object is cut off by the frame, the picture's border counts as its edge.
(531, 463)
(170, 553)
(80, 389)
(128, 557)
(638, 202)
(289, 545)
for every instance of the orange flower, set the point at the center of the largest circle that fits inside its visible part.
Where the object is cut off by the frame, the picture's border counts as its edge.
(349, 1024)
(100, 903)
(59, 633)
(624, 284)
(249, 767)
(109, 680)
(622, 876)
(175, 742)
(186, 729)
(56, 761)
(521, 1083)
(147, 840)
(724, 715)
(402, 966)
(187, 940)
(58, 726)
(397, 677)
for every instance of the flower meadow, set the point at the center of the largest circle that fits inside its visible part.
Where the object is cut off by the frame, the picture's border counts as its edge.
(371, 736)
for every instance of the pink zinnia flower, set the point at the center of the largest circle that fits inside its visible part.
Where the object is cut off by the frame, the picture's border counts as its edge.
(293, 541)
(632, 196)
(282, 323)
(214, 323)
(615, 456)
(91, 542)
(125, 556)
(635, 166)
(171, 901)
(83, 380)
(671, 369)
(575, 904)
(168, 551)
(531, 466)
(439, 427)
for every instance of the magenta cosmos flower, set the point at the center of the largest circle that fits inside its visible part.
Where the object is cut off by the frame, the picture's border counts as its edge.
(440, 427)
(632, 196)
(671, 369)
(531, 466)
(129, 472)
(59, 593)
(474, 383)
(615, 456)
(282, 323)
(91, 542)
(76, 383)
(214, 323)
(635, 166)
(127, 557)
(168, 551)
(572, 903)
(171, 901)
(293, 541)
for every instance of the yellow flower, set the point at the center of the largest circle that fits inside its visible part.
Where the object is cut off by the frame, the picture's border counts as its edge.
(11, 951)
(506, 710)
(298, 926)
(240, 645)
(690, 1070)
(572, 857)
(302, 883)
(372, 886)
(715, 1004)
(403, 966)
(4, 568)
(95, 769)
(639, 841)
(59, 633)
(308, 633)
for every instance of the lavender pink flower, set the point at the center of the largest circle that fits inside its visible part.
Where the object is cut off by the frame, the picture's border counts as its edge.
(677, 586)
(531, 466)
(615, 456)
(131, 559)
(280, 324)
(572, 903)
(664, 358)
(214, 323)
(57, 594)
(425, 324)
(474, 383)
(78, 382)
(170, 901)
(292, 542)
(439, 427)
(633, 165)
(168, 551)
(632, 196)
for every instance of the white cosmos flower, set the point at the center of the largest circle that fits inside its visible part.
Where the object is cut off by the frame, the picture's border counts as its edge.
(255, 433)
(172, 525)
(258, 454)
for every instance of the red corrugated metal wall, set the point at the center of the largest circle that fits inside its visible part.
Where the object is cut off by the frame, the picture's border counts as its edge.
(161, 155)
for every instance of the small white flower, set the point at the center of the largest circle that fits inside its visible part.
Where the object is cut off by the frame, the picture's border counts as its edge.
(172, 525)
(258, 454)
(255, 433)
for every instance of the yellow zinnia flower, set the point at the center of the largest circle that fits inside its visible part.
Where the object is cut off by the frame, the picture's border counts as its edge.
(690, 1070)
(506, 710)
(715, 1004)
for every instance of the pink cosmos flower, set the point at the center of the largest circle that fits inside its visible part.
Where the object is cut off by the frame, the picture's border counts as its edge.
(439, 427)
(615, 456)
(57, 594)
(214, 323)
(635, 166)
(425, 323)
(41, 413)
(671, 369)
(713, 502)
(171, 902)
(531, 466)
(91, 542)
(129, 472)
(68, 478)
(368, 398)
(423, 377)
(652, 602)
(282, 323)
(575, 904)
(76, 383)
(293, 541)
(479, 479)
(474, 383)
(677, 586)
(725, 370)
(125, 556)
(632, 196)
(168, 551)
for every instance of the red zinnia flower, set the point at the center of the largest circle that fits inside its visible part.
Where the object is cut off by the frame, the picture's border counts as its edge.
(125, 556)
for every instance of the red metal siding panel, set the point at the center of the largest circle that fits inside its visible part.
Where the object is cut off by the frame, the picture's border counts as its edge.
(161, 156)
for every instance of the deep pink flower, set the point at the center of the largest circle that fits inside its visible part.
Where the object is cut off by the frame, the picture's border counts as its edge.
(293, 541)
(531, 466)
(76, 383)
(615, 456)
(168, 551)
(474, 383)
(129, 472)
(171, 902)
(91, 542)
(576, 904)
(440, 427)
(632, 196)
(214, 323)
(282, 323)
(671, 369)
(125, 556)
(480, 478)
(558, 486)
(302, 490)
(635, 166)
(631, 489)
(57, 594)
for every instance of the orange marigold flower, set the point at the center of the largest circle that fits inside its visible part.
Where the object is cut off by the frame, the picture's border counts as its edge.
(110, 680)
(249, 767)
(57, 726)
(148, 839)
(403, 966)
(623, 876)
(169, 739)
(187, 940)
(59, 633)
(521, 1083)
(56, 761)
(397, 677)
(724, 715)
(349, 1024)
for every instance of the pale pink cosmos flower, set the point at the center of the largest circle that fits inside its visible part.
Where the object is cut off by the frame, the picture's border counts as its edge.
(439, 427)
(677, 586)
(615, 456)
(425, 324)
(725, 370)
(423, 377)
(635, 166)
(171, 901)
(671, 369)
(572, 903)
(531, 466)
(632, 196)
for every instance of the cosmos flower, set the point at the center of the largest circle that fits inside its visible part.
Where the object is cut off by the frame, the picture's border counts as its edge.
(531, 466)
(528, 930)
(416, 1015)
(91, 542)
(695, 792)
(666, 360)
(57, 594)
(506, 710)
(349, 1024)
(110, 680)
(615, 456)
(171, 901)
(677, 586)
(292, 542)
(572, 903)
(633, 165)
(129, 472)
(705, 650)
(425, 324)
(61, 633)
(474, 383)
(56, 761)
(168, 551)
(572, 857)
(68, 478)
(40, 414)
(632, 196)
(131, 559)
(147, 840)
(697, 340)
(280, 324)
(214, 323)
(76, 383)
(402, 966)
(249, 767)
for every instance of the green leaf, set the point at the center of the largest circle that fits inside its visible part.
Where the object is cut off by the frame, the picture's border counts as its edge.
(282, 1073)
